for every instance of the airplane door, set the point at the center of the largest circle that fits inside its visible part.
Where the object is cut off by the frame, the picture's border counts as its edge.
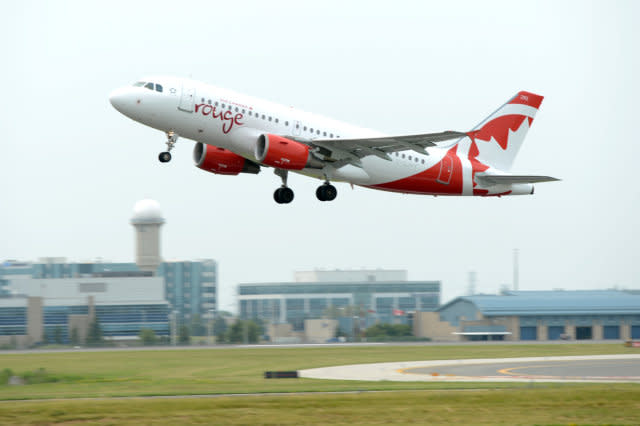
(187, 99)
(296, 128)
(446, 170)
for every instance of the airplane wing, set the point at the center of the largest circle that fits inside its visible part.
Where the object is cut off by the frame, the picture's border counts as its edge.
(352, 150)
(489, 180)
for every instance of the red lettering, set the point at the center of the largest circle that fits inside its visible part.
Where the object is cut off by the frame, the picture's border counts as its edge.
(227, 118)
(206, 109)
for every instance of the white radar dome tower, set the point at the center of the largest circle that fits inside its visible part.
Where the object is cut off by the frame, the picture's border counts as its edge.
(147, 220)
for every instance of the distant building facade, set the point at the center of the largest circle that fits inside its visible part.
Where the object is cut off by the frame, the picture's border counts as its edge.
(187, 288)
(190, 287)
(364, 296)
(534, 315)
(123, 306)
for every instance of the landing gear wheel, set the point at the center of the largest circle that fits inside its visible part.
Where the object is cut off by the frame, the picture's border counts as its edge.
(326, 192)
(283, 195)
(172, 138)
(164, 157)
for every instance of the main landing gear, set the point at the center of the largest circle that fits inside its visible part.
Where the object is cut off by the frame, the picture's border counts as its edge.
(284, 194)
(326, 192)
(165, 156)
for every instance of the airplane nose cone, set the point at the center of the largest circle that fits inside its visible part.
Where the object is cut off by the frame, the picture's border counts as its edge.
(118, 98)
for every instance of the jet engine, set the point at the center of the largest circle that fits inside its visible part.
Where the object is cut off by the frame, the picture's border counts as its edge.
(221, 161)
(283, 153)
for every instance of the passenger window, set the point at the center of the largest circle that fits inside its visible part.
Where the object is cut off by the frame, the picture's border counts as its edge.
(311, 130)
(402, 155)
(209, 101)
(250, 113)
(269, 118)
(277, 120)
(263, 116)
(243, 110)
(324, 134)
(236, 109)
(410, 158)
(331, 135)
(305, 128)
(201, 100)
(222, 105)
(216, 103)
(158, 88)
(423, 161)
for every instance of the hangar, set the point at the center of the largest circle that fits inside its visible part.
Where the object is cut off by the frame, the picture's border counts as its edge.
(535, 315)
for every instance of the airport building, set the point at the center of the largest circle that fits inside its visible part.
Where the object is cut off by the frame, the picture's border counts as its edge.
(534, 315)
(364, 296)
(50, 297)
(50, 309)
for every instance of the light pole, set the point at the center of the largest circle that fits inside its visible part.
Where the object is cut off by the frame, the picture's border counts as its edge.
(174, 327)
(210, 328)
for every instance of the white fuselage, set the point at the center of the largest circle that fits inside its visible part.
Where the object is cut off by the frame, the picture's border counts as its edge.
(226, 119)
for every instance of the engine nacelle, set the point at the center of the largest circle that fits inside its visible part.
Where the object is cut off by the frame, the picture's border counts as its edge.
(283, 153)
(221, 161)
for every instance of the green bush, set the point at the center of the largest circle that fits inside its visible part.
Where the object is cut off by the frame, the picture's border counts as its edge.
(388, 330)
(38, 376)
(148, 336)
(5, 375)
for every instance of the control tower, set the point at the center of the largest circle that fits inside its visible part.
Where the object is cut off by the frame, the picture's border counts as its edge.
(147, 220)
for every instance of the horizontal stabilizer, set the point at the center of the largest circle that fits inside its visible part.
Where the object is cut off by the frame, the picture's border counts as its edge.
(489, 180)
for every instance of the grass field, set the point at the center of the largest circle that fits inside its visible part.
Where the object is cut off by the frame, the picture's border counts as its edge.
(240, 370)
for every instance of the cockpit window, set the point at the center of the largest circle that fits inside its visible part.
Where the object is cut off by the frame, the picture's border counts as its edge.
(148, 85)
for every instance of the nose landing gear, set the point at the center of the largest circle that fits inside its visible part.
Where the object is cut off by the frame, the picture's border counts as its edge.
(165, 156)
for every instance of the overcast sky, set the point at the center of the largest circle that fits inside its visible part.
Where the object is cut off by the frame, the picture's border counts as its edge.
(72, 167)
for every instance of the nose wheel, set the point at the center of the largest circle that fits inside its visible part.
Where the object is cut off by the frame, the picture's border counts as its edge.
(165, 156)
(326, 192)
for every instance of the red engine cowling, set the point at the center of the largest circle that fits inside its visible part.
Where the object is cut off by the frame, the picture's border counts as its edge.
(221, 161)
(283, 153)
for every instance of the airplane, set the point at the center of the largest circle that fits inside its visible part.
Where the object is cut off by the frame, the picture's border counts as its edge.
(235, 134)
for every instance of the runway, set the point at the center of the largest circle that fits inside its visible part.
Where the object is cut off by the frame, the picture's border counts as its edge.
(599, 368)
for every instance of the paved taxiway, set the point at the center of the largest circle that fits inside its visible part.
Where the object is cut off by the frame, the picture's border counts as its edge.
(600, 368)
